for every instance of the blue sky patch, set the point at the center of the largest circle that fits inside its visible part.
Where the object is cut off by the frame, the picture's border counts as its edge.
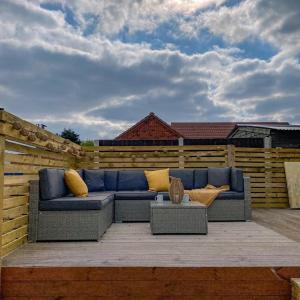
(91, 24)
(165, 34)
(256, 48)
(231, 3)
(68, 13)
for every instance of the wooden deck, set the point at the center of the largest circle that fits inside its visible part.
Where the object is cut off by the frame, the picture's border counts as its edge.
(283, 221)
(227, 244)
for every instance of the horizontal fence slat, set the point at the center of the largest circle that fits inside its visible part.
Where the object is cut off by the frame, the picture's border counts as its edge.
(14, 224)
(30, 160)
(31, 150)
(6, 249)
(14, 235)
(18, 179)
(16, 190)
(153, 148)
(14, 201)
(15, 212)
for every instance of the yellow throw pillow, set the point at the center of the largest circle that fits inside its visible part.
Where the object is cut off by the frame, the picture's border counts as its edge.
(158, 181)
(75, 183)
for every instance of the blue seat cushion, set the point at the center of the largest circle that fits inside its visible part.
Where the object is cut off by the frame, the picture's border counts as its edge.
(135, 195)
(186, 176)
(94, 180)
(111, 180)
(200, 178)
(237, 180)
(219, 176)
(94, 201)
(52, 184)
(230, 195)
(132, 181)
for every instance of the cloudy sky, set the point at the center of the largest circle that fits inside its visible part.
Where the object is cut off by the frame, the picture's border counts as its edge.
(99, 66)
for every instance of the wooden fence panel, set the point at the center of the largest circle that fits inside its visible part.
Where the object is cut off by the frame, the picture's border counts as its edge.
(264, 166)
(266, 169)
(22, 155)
(152, 157)
(22, 164)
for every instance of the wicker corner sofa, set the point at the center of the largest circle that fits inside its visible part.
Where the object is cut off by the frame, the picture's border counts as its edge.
(121, 196)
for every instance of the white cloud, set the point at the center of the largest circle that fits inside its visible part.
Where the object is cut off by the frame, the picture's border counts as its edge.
(275, 21)
(51, 73)
(135, 15)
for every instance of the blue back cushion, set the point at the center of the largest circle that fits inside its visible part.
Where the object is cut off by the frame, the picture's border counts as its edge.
(186, 176)
(80, 172)
(219, 176)
(111, 180)
(237, 180)
(132, 181)
(94, 180)
(52, 184)
(200, 178)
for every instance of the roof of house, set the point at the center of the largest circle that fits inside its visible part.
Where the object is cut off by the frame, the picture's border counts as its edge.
(214, 130)
(150, 128)
(153, 128)
(260, 130)
(272, 127)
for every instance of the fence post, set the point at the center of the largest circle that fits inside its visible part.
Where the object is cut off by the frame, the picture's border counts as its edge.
(268, 176)
(181, 157)
(231, 155)
(2, 148)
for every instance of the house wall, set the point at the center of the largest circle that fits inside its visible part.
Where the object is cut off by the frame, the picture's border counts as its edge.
(149, 129)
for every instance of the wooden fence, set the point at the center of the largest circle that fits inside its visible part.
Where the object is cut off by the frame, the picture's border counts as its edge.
(25, 149)
(264, 166)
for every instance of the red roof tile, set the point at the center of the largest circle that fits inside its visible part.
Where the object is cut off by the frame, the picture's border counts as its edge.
(212, 130)
(154, 128)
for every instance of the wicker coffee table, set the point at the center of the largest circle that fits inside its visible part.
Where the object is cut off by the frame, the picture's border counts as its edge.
(184, 218)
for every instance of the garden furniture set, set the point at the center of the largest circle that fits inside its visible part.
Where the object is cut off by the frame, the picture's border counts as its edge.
(123, 196)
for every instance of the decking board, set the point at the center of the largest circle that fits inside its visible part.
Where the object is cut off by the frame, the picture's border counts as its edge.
(228, 244)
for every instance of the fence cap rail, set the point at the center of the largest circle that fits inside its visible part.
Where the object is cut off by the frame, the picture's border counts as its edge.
(154, 148)
(25, 132)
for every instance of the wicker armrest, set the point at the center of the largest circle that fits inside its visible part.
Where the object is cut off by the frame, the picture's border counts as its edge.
(34, 198)
(247, 192)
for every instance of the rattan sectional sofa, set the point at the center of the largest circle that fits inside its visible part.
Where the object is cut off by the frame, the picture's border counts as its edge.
(121, 196)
